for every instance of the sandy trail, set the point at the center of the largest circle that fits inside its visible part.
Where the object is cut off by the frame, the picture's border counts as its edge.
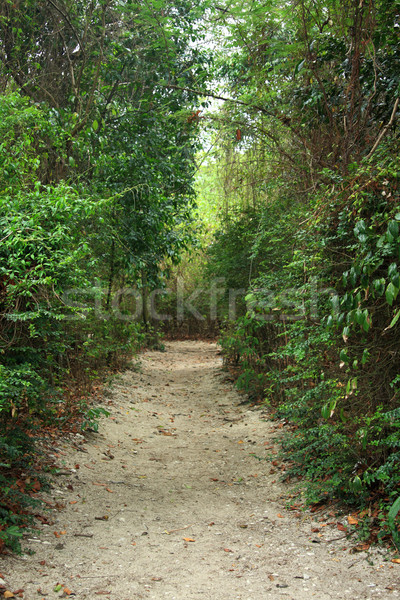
(169, 502)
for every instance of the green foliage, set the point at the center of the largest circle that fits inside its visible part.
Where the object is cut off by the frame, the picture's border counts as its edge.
(314, 161)
(11, 536)
(91, 418)
(96, 193)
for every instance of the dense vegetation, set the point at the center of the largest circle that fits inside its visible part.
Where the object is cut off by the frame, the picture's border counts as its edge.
(96, 191)
(297, 257)
(309, 156)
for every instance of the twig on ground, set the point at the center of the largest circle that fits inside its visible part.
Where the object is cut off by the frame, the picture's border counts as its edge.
(180, 529)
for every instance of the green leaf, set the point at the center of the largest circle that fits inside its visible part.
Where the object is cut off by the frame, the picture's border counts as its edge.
(353, 275)
(381, 241)
(359, 316)
(365, 356)
(328, 409)
(356, 484)
(394, 320)
(391, 293)
(379, 285)
(393, 229)
(394, 509)
(392, 270)
(352, 385)
(360, 231)
(299, 66)
(95, 125)
(365, 321)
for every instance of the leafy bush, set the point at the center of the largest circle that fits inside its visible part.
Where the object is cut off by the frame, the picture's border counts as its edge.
(52, 347)
(318, 342)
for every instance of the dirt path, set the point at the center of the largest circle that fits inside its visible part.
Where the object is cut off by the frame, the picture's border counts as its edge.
(168, 502)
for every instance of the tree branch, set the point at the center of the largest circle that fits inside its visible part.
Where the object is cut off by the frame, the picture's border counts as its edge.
(385, 129)
(207, 94)
(68, 20)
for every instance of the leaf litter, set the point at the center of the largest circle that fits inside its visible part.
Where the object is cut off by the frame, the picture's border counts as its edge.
(115, 538)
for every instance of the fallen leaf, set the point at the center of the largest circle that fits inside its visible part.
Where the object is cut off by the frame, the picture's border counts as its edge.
(352, 521)
(280, 516)
(314, 529)
(73, 501)
(67, 591)
(42, 519)
(271, 577)
(361, 548)
(188, 539)
(36, 486)
(110, 491)
(8, 594)
(341, 527)
(227, 550)
(396, 560)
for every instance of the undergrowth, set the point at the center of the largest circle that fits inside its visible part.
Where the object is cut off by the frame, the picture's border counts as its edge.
(318, 344)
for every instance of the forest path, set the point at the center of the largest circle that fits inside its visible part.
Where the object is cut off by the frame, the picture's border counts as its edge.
(169, 502)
